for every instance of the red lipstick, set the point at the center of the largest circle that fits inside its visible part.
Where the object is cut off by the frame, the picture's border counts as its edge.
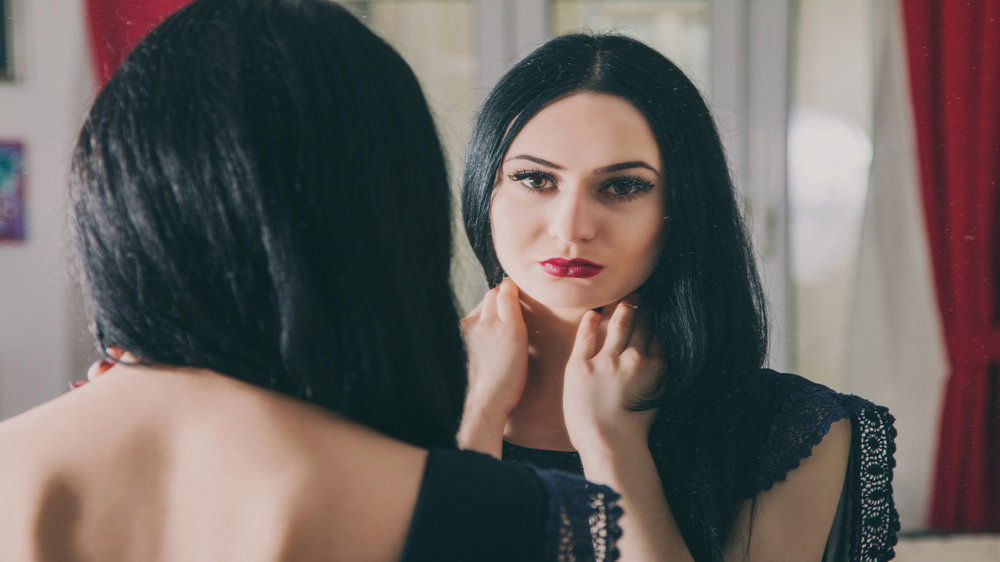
(580, 269)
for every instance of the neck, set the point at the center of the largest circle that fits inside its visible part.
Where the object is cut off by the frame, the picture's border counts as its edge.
(537, 420)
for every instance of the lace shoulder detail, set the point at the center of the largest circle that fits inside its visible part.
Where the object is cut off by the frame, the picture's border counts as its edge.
(801, 413)
(875, 519)
(582, 521)
(797, 415)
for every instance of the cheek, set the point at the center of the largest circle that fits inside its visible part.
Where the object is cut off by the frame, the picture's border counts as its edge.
(644, 240)
(510, 227)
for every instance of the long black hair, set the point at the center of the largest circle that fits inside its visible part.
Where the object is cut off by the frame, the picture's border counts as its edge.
(704, 296)
(259, 191)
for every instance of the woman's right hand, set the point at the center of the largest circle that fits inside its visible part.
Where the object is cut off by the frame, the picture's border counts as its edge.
(496, 340)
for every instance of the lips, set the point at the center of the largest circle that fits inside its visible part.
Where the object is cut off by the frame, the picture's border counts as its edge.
(578, 268)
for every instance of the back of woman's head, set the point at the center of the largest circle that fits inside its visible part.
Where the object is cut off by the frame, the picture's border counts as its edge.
(703, 298)
(259, 191)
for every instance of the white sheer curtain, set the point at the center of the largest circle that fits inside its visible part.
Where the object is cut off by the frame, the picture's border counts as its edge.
(895, 352)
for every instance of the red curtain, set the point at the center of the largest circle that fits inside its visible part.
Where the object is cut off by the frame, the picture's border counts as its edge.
(954, 60)
(117, 25)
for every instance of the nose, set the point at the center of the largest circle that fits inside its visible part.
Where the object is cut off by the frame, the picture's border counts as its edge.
(572, 220)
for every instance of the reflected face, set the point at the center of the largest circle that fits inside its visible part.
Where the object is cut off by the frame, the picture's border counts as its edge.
(578, 212)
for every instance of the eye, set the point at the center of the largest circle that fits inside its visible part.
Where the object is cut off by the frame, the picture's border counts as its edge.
(621, 188)
(537, 182)
(626, 188)
(533, 180)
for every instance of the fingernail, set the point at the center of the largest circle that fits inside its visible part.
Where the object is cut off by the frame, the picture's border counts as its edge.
(76, 384)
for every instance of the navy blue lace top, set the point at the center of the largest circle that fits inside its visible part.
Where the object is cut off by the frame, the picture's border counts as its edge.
(795, 415)
(473, 507)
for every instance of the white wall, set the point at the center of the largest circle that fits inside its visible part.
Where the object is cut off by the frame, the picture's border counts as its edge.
(41, 332)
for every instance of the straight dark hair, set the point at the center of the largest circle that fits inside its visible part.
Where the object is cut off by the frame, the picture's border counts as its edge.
(259, 191)
(704, 296)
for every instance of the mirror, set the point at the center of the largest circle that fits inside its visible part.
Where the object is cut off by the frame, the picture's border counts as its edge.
(837, 330)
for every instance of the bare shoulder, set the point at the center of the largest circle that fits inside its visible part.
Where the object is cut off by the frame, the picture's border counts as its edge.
(358, 497)
(35, 437)
(344, 490)
(793, 518)
(351, 490)
(39, 499)
(199, 450)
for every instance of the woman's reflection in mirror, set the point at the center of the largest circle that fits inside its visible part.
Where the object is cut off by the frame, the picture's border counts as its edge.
(626, 321)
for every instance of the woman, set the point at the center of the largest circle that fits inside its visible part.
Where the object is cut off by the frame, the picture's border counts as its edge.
(595, 179)
(261, 221)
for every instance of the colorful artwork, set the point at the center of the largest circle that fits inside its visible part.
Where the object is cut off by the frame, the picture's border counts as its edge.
(11, 191)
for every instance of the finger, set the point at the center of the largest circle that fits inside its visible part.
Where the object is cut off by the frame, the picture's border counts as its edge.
(489, 304)
(585, 344)
(127, 358)
(602, 328)
(98, 368)
(92, 370)
(607, 311)
(475, 312)
(640, 334)
(620, 328)
(508, 303)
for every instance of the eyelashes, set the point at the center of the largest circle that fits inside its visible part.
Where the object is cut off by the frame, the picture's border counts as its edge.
(628, 187)
(533, 180)
(621, 188)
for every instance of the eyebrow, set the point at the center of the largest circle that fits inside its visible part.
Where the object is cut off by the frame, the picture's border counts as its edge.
(627, 166)
(536, 160)
(605, 170)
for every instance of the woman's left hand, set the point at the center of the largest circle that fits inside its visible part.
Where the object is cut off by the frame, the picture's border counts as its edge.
(604, 377)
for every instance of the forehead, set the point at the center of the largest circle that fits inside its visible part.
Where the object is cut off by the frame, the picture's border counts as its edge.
(588, 130)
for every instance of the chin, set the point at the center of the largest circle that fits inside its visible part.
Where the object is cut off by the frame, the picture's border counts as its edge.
(564, 297)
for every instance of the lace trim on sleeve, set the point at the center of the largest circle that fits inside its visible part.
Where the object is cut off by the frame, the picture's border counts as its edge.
(876, 521)
(804, 417)
(583, 519)
(801, 423)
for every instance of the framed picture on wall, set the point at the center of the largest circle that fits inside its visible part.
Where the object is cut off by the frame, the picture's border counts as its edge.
(12, 180)
(6, 40)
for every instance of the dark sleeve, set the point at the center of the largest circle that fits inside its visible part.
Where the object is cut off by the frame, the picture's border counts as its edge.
(582, 519)
(874, 521)
(798, 414)
(474, 507)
